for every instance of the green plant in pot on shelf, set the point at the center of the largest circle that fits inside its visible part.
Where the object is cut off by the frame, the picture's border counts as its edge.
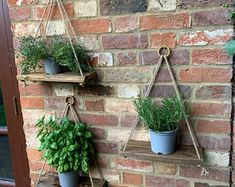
(55, 52)
(67, 146)
(162, 122)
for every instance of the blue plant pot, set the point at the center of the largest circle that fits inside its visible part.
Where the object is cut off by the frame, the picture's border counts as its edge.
(69, 179)
(163, 142)
(51, 66)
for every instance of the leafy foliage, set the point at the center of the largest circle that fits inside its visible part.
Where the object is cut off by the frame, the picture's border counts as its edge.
(36, 49)
(230, 47)
(67, 146)
(33, 51)
(161, 118)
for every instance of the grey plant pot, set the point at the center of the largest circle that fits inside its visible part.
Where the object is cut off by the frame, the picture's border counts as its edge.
(69, 179)
(51, 66)
(163, 142)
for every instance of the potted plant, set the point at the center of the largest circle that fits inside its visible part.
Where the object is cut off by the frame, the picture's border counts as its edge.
(55, 52)
(162, 122)
(67, 147)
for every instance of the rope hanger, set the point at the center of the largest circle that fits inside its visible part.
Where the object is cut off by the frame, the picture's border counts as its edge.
(164, 53)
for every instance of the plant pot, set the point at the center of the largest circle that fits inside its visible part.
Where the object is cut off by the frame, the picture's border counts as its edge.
(163, 142)
(51, 66)
(69, 179)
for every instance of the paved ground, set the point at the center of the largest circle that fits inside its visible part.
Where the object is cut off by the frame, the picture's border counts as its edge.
(5, 160)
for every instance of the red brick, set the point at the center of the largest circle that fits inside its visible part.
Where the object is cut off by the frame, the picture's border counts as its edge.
(18, 14)
(166, 21)
(210, 56)
(99, 25)
(37, 11)
(32, 102)
(131, 178)
(214, 174)
(104, 120)
(37, 165)
(98, 133)
(125, 41)
(208, 18)
(214, 92)
(127, 121)
(94, 105)
(165, 182)
(201, 74)
(200, 38)
(126, 23)
(33, 154)
(95, 90)
(135, 165)
(213, 127)
(177, 57)
(125, 58)
(35, 89)
(106, 147)
(163, 39)
(211, 109)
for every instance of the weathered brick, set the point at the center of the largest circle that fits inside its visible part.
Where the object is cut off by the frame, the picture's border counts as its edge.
(201, 74)
(90, 42)
(214, 92)
(102, 59)
(94, 105)
(156, 6)
(117, 105)
(98, 133)
(140, 75)
(133, 179)
(134, 165)
(199, 184)
(32, 102)
(62, 89)
(100, 120)
(35, 89)
(37, 11)
(177, 57)
(169, 91)
(216, 158)
(127, 120)
(33, 154)
(163, 39)
(216, 17)
(211, 109)
(24, 29)
(85, 8)
(111, 176)
(115, 7)
(125, 41)
(166, 182)
(195, 172)
(106, 147)
(165, 168)
(210, 56)
(95, 90)
(19, 14)
(203, 3)
(37, 165)
(213, 127)
(127, 91)
(98, 25)
(200, 38)
(125, 58)
(167, 21)
(56, 27)
(126, 23)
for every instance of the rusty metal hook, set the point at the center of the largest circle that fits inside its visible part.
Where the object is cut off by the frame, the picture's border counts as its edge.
(70, 100)
(164, 51)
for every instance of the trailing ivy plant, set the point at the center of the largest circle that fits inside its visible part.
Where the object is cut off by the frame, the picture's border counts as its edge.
(67, 146)
(159, 118)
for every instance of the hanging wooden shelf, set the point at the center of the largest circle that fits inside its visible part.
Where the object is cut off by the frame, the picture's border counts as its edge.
(185, 154)
(67, 77)
(52, 180)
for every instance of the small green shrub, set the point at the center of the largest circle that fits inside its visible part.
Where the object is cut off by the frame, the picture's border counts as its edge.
(67, 146)
(159, 118)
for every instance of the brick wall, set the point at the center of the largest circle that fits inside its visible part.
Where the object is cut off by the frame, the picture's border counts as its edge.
(124, 37)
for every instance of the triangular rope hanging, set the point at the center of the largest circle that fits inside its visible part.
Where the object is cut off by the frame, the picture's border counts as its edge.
(47, 15)
(164, 52)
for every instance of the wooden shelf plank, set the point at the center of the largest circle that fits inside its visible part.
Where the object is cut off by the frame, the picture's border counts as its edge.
(51, 180)
(185, 154)
(67, 77)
